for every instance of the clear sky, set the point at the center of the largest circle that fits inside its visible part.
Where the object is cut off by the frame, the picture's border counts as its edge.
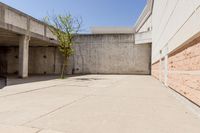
(93, 12)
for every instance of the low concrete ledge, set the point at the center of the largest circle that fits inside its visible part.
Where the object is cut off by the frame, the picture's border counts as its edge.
(143, 38)
(104, 38)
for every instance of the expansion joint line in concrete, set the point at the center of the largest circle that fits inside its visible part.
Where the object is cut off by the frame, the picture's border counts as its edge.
(39, 131)
(53, 111)
(23, 92)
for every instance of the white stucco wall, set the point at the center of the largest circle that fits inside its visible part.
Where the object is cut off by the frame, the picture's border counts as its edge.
(147, 25)
(174, 23)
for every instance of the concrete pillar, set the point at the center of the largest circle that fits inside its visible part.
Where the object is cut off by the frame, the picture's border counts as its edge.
(23, 56)
(160, 66)
(166, 70)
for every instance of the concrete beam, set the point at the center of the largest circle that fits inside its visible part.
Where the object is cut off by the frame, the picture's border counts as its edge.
(143, 38)
(18, 22)
(146, 13)
(2, 13)
(23, 56)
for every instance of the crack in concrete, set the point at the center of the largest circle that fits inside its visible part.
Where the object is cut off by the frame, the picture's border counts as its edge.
(50, 112)
(42, 88)
(39, 131)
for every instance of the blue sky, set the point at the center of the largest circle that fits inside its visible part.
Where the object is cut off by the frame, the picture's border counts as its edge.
(93, 12)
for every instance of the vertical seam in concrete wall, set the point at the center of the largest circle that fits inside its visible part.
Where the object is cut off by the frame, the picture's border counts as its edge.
(82, 59)
(166, 70)
(2, 13)
(6, 65)
(28, 27)
(150, 60)
(54, 60)
(45, 30)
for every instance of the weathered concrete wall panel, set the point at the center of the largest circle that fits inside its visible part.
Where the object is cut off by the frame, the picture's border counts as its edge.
(49, 34)
(41, 60)
(111, 54)
(15, 19)
(12, 58)
(36, 27)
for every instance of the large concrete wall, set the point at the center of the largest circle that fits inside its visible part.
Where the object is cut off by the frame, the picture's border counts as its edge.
(105, 54)
(111, 54)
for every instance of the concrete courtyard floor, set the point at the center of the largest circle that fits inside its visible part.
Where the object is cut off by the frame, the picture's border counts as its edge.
(95, 104)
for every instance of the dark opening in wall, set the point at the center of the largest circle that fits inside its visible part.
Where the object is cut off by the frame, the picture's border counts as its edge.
(3, 61)
(2, 82)
(44, 56)
(3, 67)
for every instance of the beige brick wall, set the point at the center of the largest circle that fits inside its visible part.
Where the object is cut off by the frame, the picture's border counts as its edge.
(186, 84)
(186, 59)
(155, 70)
(183, 71)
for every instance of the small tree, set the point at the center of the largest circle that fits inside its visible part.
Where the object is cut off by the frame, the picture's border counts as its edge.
(64, 27)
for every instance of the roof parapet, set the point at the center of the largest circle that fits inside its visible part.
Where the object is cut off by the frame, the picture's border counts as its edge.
(146, 13)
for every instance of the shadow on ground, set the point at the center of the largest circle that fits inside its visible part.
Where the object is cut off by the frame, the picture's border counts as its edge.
(15, 80)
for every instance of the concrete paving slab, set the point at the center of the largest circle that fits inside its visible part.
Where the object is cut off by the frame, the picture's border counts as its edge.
(96, 104)
(49, 131)
(17, 129)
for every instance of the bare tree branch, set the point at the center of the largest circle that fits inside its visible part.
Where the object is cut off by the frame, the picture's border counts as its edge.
(64, 27)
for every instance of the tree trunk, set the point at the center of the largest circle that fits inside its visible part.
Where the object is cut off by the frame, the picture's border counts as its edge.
(63, 68)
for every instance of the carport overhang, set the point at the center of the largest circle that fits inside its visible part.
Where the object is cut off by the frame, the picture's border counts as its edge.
(21, 30)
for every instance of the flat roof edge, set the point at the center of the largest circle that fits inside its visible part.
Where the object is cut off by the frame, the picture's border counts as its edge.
(147, 11)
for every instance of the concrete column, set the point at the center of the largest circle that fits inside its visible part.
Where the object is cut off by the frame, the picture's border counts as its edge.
(160, 66)
(166, 70)
(23, 56)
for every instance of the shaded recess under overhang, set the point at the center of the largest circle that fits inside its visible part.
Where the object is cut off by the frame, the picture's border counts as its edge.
(8, 38)
(143, 37)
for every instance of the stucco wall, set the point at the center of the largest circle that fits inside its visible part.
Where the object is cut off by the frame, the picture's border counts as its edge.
(174, 23)
(147, 26)
(175, 48)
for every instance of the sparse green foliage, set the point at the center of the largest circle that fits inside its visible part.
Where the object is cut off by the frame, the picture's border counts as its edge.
(64, 27)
